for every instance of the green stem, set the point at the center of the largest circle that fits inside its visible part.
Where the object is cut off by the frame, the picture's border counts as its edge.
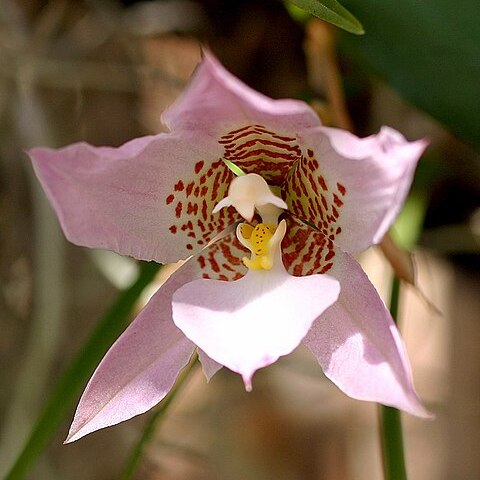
(69, 387)
(392, 438)
(390, 420)
(132, 462)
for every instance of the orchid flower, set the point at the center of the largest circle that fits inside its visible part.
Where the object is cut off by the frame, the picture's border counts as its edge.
(269, 251)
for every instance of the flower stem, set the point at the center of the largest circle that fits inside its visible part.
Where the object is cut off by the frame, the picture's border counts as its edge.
(390, 420)
(135, 456)
(392, 448)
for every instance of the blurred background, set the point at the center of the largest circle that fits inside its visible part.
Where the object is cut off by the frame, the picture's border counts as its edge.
(103, 71)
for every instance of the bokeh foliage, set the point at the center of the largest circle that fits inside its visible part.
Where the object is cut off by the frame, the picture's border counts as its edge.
(429, 51)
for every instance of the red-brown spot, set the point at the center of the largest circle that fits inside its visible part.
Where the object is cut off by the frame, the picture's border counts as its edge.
(192, 208)
(204, 210)
(329, 255)
(189, 246)
(189, 188)
(170, 199)
(187, 226)
(263, 151)
(173, 229)
(337, 200)
(227, 253)
(178, 209)
(213, 264)
(322, 183)
(198, 166)
(313, 184)
(339, 230)
(310, 153)
(233, 132)
(179, 186)
(215, 186)
(341, 189)
(326, 268)
(324, 202)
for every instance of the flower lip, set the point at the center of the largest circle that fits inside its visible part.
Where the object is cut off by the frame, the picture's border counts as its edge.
(249, 192)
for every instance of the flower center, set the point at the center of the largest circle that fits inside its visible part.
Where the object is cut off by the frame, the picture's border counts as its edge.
(247, 194)
(257, 240)
(263, 241)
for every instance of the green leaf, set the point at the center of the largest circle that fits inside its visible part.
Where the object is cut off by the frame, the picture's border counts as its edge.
(73, 380)
(331, 11)
(429, 51)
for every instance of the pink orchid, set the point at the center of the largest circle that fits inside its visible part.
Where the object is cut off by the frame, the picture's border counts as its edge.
(315, 195)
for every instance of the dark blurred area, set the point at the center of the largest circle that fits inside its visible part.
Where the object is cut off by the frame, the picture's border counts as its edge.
(103, 71)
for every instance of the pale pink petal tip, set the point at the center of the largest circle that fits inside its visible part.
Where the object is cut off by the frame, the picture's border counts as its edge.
(120, 198)
(216, 98)
(247, 380)
(139, 369)
(359, 347)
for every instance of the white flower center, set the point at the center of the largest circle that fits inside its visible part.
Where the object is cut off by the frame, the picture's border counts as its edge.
(251, 192)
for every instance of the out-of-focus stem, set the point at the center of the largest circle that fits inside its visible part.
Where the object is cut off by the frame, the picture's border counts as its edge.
(323, 71)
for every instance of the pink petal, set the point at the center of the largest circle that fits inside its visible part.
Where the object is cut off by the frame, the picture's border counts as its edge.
(359, 346)
(151, 198)
(216, 100)
(210, 367)
(140, 368)
(249, 323)
(357, 186)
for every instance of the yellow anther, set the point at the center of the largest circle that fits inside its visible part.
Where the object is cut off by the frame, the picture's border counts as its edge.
(258, 241)
(246, 230)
